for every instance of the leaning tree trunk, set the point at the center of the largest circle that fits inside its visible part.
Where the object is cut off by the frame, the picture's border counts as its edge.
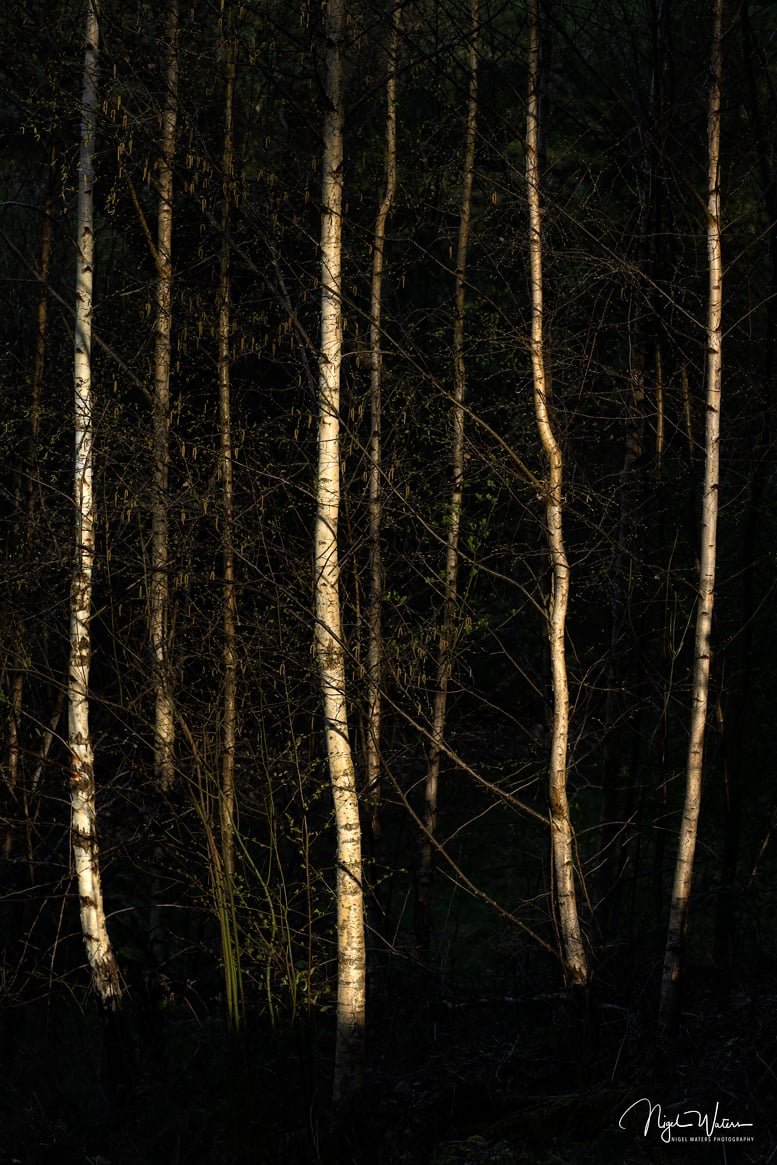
(159, 615)
(448, 630)
(562, 838)
(686, 848)
(329, 644)
(102, 961)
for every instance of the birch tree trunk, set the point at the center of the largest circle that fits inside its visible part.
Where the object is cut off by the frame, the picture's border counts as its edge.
(159, 614)
(686, 848)
(374, 608)
(448, 629)
(351, 958)
(102, 961)
(561, 833)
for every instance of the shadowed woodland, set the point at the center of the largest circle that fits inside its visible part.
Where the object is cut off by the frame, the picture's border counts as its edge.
(387, 620)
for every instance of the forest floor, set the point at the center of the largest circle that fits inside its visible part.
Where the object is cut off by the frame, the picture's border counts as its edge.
(455, 1078)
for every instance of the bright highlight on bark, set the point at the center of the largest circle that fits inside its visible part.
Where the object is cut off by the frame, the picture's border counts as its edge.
(561, 833)
(99, 952)
(686, 846)
(351, 958)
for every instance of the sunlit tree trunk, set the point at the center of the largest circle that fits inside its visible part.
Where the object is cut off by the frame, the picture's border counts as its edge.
(351, 960)
(450, 582)
(374, 606)
(681, 892)
(561, 833)
(164, 723)
(105, 973)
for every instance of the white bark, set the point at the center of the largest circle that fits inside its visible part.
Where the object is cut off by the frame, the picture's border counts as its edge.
(561, 833)
(102, 962)
(159, 599)
(351, 960)
(686, 848)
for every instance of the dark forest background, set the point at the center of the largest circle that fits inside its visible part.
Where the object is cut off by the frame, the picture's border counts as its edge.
(474, 1052)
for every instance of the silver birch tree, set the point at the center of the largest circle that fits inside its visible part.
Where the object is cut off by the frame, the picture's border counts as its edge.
(351, 957)
(445, 653)
(561, 833)
(689, 825)
(83, 828)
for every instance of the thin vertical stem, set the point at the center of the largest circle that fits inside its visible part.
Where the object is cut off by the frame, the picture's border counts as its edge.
(445, 652)
(686, 847)
(374, 621)
(351, 955)
(225, 469)
(562, 837)
(164, 723)
(105, 973)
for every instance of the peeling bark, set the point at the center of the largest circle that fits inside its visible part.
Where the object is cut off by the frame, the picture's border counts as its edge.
(83, 829)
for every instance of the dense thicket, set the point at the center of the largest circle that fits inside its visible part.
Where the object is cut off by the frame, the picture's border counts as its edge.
(623, 155)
